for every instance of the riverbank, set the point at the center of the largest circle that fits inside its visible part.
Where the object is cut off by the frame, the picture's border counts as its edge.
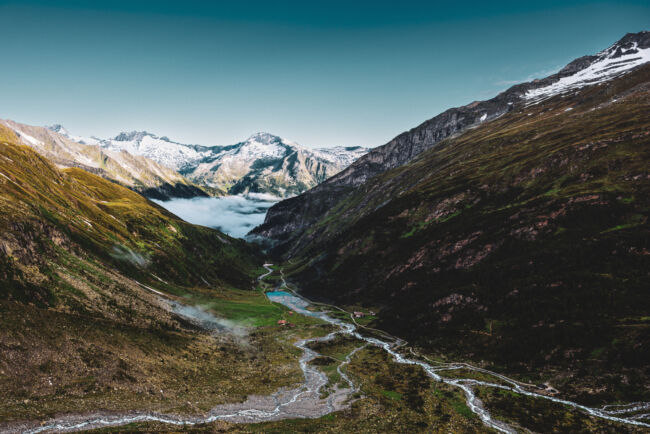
(331, 390)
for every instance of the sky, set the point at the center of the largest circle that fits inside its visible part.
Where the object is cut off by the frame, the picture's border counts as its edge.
(321, 73)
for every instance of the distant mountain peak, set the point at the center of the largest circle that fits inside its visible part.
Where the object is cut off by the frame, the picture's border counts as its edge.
(629, 44)
(58, 128)
(140, 174)
(264, 138)
(641, 38)
(630, 51)
(262, 163)
(133, 135)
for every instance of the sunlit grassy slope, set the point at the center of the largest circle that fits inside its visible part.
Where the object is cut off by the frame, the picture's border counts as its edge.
(45, 209)
(79, 328)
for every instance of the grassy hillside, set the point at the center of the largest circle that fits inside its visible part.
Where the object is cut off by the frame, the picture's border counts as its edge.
(79, 328)
(138, 173)
(48, 209)
(522, 244)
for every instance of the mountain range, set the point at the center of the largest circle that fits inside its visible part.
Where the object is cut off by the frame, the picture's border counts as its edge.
(485, 269)
(512, 230)
(135, 172)
(263, 163)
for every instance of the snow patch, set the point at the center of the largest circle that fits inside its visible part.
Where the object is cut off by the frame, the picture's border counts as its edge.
(32, 140)
(605, 67)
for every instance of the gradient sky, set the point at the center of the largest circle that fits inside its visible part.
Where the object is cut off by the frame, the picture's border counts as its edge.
(321, 73)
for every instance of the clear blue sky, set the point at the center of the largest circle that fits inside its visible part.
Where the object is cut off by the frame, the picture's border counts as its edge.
(321, 73)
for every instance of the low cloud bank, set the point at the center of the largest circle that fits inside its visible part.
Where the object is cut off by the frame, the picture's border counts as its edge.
(234, 215)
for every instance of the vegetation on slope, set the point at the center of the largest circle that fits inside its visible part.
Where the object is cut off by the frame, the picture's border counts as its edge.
(133, 171)
(522, 243)
(81, 328)
(401, 398)
(45, 209)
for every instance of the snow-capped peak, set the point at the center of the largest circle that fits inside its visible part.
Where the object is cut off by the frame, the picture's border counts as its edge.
(217, 166)
(264, 138)
(631, 51)
(261, 146)
(342, 156)
(263, 162)
(61, 130)
(133, 135)
(58, 128)
(160, 149)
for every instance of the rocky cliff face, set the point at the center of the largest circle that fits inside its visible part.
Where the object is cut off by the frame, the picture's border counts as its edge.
(287, 220)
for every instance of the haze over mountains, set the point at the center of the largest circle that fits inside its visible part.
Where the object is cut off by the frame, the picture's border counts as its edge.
(263, 163)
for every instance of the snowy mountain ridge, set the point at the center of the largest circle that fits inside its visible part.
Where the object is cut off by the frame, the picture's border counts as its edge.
(624, 55)
(263, 163)
(133, 171)
(292, 218)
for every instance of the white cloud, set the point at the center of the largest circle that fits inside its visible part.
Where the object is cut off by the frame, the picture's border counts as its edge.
(234, 215)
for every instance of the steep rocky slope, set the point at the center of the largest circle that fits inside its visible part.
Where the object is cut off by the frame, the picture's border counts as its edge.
(288, 219)
(522, 242)
(135, 172)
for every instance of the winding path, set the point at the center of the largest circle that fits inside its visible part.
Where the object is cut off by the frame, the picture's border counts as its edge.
(305, 401)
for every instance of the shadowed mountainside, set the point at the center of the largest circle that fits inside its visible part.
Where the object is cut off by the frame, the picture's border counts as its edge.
(289, 219)
(522, 242)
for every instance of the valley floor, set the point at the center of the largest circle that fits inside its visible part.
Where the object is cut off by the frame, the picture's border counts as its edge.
(354, 377)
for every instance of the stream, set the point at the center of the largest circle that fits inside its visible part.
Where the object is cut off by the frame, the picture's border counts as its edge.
(305, 401)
